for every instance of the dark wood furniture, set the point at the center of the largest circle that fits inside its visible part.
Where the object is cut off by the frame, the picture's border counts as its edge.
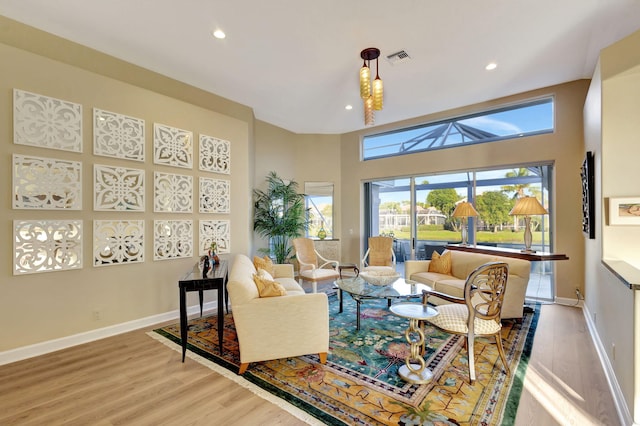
(351, 266)
(508, 252)
(216, 279)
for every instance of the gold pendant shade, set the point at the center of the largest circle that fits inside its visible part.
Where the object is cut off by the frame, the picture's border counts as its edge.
(370, 92)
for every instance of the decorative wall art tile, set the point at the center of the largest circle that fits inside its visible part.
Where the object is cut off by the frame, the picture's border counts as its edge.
(172, 193)
(117, 242)
(46, 122)
(118, 188)
(215, 230)
(172, 146)
(172, 239)
(117, 135)
(46, 183)
(215, 195)
(215, 155)
(46, 245)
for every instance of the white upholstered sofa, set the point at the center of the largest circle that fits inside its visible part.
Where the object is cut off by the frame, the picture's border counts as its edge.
(276, 327)
(463, 263)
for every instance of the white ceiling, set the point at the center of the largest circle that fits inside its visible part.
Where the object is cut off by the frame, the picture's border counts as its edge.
(296, 62)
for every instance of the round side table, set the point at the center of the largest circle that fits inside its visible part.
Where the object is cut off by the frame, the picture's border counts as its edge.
(415, 369)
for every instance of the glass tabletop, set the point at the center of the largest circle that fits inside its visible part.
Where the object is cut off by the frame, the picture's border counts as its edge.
(416, 311)
(399, 288)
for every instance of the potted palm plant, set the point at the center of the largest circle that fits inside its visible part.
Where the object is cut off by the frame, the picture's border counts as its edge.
(279, 215)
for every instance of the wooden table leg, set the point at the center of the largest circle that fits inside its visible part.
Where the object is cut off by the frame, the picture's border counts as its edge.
(183, 322)
(220, 316)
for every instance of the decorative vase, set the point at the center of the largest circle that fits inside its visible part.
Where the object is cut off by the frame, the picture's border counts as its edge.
(213, 257)
(322, 234)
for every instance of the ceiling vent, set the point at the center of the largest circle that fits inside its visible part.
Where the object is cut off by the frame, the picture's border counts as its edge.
(398, 57)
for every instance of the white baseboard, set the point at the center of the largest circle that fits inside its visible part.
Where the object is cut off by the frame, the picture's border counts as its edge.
(618, 397)
(42, 348)
(569, 302)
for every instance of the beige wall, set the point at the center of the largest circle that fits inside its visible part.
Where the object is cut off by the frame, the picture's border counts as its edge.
(40, 307)
(564, 147)
(611, 129)
(303, 158)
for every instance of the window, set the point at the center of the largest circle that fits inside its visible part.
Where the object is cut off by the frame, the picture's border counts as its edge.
(417, 212)
(526, 119)
(319, 202)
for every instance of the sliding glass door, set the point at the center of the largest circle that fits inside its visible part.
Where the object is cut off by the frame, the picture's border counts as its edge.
(418, 212)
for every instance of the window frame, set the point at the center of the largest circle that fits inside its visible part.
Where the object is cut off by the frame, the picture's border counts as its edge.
(434, 124)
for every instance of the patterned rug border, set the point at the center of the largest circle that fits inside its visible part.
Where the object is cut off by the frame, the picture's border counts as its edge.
(517, 385)
(314, 416)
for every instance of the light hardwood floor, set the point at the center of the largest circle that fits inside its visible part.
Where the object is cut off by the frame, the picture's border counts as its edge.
(132, 379)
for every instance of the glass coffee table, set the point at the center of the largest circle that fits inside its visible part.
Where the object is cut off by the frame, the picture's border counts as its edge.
(361, 290)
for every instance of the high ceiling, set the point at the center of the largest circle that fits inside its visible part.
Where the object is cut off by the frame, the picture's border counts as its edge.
(296, 62)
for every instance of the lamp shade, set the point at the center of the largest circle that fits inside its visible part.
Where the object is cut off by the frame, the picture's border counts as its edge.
(464, 209)
(365, 81)
(377, 94)
(526, 206)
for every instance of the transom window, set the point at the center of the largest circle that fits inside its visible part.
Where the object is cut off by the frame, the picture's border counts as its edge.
(515, 121)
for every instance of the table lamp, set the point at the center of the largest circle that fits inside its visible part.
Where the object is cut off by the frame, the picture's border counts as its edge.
(527, 206)
(464, 210)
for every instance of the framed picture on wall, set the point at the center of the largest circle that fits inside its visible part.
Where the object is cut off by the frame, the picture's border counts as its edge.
(588, 196)
(624, 211)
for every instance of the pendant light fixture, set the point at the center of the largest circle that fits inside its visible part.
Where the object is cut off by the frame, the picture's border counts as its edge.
(371, 96)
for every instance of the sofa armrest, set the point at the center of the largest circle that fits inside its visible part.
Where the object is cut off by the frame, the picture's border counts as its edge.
(414, 266)
(283, 270)
(293, 326)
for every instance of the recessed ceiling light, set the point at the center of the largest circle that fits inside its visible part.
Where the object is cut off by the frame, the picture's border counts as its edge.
(348, 107)
(491, 66)
(219, 34)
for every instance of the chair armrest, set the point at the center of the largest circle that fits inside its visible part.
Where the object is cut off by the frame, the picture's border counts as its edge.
(447, 297)
(327, 262)
(283, 270)
(305, 266)
(414, 266)
(363, 262)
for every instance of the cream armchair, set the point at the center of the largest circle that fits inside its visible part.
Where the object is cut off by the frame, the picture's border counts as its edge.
(313, 267)
(379, 255)
(276, 327)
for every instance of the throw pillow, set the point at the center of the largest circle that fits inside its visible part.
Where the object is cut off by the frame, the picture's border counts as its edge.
(441, 263)
(267, 288)
(264, 263)
(264, 275)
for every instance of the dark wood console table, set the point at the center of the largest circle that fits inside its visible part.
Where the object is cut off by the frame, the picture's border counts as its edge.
(194, 281)
(507, 252)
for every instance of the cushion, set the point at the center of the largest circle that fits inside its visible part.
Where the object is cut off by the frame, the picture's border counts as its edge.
(441, 263)
(262, 273)
(454, 318)
(268, 288)
(264, 263)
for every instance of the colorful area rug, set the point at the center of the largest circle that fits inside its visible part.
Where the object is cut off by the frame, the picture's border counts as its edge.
(359, 384)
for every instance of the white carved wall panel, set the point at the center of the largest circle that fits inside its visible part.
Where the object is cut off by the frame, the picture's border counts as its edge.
(215, 230)
(172, 193)
(215, 195)
(215, 155)
(46, 183)
(118, 188)
(117, 242)
(117, 135)
(46, 122)
(172, 239)
(46, 245)
(172, 146)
